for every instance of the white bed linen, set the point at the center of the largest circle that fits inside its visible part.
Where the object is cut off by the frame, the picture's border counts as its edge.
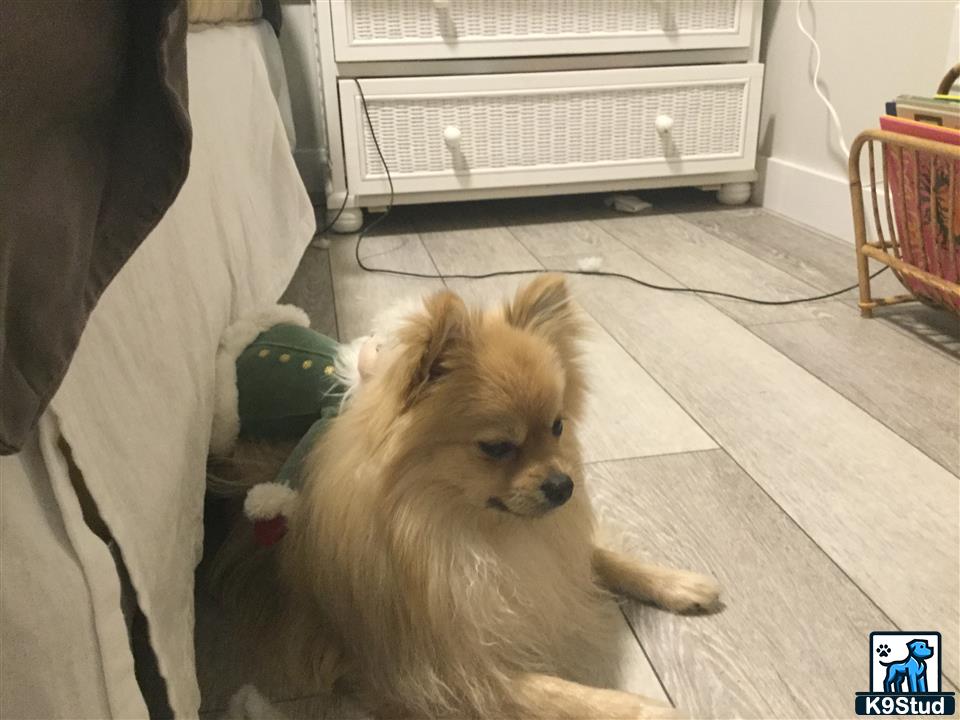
(50, 647)
(136, 404)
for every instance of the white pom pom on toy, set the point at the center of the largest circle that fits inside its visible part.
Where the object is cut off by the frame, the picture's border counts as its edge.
(268, 500)
(248, 704)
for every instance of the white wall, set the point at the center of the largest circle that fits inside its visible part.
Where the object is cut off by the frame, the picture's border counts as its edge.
(873, 50)
(299, 58)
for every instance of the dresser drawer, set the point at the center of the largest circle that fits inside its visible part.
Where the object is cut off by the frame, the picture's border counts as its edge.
(489, 131)
(439, 29)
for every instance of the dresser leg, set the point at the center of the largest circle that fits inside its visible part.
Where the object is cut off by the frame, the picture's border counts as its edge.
(350, 220)
(734, 193)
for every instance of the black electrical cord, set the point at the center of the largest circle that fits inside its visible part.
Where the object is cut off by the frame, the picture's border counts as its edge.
(601, 273)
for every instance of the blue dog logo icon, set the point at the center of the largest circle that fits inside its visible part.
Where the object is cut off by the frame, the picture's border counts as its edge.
(911, 671)
(905, 676)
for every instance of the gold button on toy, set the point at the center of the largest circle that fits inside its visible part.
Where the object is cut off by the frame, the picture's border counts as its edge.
(263, 353)
(328, 370)
(285, 357)
(307, 364)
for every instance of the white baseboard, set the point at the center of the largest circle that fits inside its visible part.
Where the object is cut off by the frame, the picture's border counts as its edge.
(311, 162)
(805, 195)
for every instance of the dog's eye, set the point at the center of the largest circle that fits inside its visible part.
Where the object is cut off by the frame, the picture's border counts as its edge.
(557, 428)
(497, 449)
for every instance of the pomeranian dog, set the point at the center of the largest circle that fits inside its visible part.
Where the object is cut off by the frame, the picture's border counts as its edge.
(443, 560)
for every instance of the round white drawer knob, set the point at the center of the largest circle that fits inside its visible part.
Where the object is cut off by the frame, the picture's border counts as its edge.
(451, 136)
(664, 124)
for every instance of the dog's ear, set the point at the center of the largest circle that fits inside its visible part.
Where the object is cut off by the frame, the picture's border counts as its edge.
(544, 307)
(434, 341)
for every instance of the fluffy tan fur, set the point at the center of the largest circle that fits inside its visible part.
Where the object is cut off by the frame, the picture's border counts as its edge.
(438, 581)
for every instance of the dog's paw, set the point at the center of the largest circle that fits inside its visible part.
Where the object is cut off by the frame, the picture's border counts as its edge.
(690, 593)
(642, 708)
(657, 711)
(883, 650)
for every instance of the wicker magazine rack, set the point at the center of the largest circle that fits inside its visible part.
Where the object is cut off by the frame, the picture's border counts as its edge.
(922, 211)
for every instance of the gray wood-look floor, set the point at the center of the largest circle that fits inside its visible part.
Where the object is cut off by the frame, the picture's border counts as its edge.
(806, 457)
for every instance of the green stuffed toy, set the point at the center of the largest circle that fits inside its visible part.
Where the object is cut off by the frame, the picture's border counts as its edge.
(279, 380)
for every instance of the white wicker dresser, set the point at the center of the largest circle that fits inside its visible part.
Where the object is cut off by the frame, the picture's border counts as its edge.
(494, 98)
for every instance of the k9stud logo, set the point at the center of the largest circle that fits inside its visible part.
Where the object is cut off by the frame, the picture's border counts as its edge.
(905, 676)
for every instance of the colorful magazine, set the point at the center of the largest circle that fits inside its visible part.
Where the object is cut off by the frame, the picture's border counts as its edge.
(926, 207)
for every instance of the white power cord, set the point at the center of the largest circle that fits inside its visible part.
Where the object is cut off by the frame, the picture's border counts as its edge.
(816, 84)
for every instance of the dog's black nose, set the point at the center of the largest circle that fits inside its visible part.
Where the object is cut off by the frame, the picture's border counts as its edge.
(557, 488)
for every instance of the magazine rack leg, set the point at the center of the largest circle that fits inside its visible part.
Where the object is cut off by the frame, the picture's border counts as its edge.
(863, 271)
(860, 229)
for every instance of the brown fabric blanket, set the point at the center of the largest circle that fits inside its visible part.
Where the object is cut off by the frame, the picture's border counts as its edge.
(94, 146)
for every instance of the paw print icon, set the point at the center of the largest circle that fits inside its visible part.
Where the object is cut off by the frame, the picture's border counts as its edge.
(883, 650)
